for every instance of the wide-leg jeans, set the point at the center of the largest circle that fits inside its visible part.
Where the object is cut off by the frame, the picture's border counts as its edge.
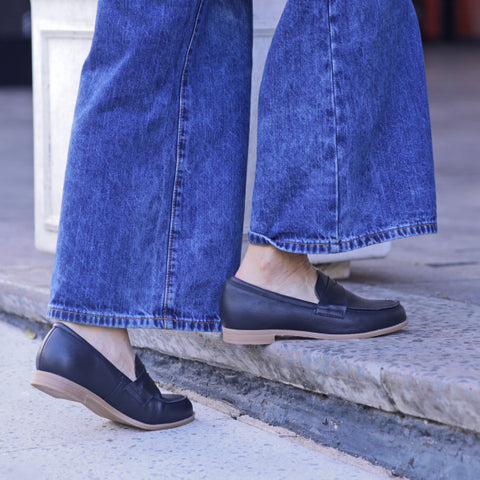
(153, 201)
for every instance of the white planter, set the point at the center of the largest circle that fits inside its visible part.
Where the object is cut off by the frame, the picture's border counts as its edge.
(61, 36)
(62, 32)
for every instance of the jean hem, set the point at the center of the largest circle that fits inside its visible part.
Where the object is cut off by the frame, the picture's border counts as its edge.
(345, 245)
(173, 322)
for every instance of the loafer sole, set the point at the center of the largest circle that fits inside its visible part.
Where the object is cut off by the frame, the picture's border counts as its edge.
(266, 337)
(60, 387)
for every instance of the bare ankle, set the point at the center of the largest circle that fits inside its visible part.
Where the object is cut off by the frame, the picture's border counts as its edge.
(282, 272)
(269, 262)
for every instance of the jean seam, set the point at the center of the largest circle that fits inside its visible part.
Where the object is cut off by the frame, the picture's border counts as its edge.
(335, 123)
(179, 148)
(293, 242)
(55, 309)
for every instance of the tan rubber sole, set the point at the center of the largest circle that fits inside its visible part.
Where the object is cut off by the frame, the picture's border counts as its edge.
(266, 337)
(60, 387)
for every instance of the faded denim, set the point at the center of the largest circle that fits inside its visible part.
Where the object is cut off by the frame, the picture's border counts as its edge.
(153, 201)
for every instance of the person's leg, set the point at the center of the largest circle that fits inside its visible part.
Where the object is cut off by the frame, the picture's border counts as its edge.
(344, 147)
(156, 168)
(344, 154)
(156, 172)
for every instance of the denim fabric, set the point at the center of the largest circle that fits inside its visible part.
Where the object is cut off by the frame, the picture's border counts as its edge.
(154, 189)
(344, 147)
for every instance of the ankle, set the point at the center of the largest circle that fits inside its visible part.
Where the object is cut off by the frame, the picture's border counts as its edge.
(268, 263)
(282, 272)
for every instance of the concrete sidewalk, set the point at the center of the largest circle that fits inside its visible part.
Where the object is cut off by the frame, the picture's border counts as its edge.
(429, 371)
(42, 438)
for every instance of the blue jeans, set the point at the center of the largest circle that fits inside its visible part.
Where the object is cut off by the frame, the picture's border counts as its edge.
(153, 201)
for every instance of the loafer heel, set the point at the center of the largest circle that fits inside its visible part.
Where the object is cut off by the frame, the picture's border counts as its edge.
(247, 337)
(55, 386)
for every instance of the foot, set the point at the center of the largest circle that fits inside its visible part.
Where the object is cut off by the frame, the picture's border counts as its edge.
(289, 274)
(278, 294)
(69, 367)
(113, 343)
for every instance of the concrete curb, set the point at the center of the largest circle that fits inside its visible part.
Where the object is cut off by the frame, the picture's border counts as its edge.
(414, 372)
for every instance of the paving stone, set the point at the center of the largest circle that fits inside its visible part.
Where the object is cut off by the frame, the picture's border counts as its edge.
(43, 438)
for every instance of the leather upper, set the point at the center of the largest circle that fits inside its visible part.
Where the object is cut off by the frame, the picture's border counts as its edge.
(246, 307)
(67, 354)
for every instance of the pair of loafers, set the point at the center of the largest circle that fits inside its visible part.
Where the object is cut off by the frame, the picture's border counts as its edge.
(69, 367)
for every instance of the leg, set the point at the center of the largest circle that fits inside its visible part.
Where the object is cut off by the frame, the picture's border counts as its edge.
(147, 192)
(344, 145)
(156, 170)
(344, 148)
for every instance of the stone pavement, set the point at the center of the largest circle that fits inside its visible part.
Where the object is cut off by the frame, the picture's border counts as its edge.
(42, 438)
(429, 371)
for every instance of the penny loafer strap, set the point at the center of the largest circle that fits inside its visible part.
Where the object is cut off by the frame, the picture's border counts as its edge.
(329, 292)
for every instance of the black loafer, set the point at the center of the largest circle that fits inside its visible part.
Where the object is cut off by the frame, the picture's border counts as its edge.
(69, 367)
(254, 316)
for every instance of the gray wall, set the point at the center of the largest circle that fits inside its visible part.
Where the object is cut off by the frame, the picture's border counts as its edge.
(11, 17)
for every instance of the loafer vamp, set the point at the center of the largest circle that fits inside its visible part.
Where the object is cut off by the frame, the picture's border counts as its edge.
(354, 302)
(371, 319)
